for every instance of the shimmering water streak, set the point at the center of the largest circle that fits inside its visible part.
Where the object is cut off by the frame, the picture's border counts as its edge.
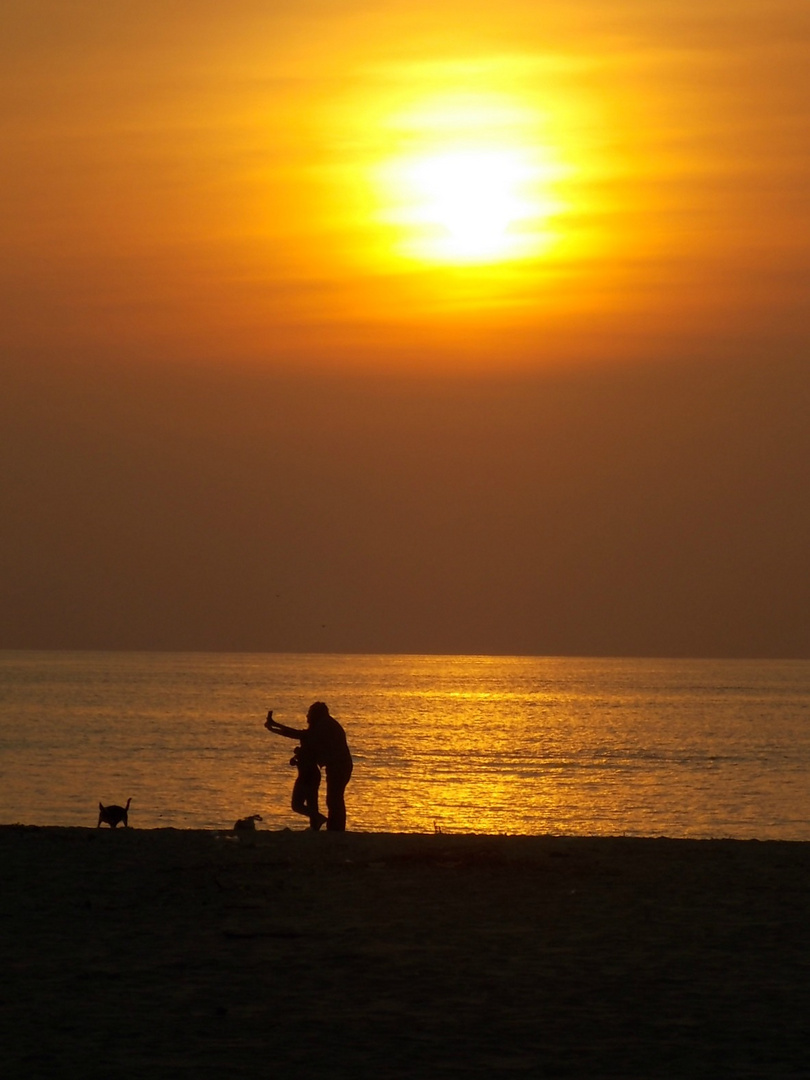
(486, 744)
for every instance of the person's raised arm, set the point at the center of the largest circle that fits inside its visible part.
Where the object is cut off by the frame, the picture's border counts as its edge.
(282, 729)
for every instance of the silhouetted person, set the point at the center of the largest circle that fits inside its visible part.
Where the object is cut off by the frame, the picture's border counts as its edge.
(325, 737)
(307, 783)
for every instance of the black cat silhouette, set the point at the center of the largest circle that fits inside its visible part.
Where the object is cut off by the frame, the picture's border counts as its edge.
(112, 815)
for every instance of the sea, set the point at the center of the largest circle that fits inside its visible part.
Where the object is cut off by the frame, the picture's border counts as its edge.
(452, 744)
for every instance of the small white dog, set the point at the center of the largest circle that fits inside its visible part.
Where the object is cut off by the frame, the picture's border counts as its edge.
(247, 824)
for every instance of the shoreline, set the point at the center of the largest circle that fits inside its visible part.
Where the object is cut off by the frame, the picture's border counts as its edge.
(161, 951)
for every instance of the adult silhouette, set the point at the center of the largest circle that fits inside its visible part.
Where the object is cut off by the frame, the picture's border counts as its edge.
(325, 737)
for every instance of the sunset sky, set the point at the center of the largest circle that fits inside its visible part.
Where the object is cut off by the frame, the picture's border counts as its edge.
(411, 327)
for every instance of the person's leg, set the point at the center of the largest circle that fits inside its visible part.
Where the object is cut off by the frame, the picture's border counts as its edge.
(335, 803)
(299, 798)
(316, 818)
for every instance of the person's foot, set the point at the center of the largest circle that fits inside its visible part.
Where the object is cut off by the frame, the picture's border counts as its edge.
(316, 822)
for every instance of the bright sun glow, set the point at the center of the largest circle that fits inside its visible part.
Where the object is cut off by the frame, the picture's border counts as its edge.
(473, 204)
(472, 187)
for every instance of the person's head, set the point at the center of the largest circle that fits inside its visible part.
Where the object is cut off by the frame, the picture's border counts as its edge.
(317, 712)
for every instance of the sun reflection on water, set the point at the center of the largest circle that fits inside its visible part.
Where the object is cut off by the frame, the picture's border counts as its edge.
(461, 744)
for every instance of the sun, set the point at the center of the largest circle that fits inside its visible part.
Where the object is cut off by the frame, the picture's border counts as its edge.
(471, 188)
(470, 205)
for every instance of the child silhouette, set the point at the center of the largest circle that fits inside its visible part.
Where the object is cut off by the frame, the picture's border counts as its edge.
(307, 782)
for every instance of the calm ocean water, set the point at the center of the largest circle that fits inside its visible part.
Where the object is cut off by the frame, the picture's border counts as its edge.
(466, 744)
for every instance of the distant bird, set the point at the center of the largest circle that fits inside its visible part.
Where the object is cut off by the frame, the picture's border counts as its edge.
(112, 815)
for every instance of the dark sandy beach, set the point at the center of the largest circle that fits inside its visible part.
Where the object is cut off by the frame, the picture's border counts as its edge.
(163, 953)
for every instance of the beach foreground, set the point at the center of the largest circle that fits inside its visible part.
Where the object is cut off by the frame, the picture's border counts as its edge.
(165, 953)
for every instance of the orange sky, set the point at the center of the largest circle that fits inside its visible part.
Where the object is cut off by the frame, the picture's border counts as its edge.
(448, 326)
(183, 182)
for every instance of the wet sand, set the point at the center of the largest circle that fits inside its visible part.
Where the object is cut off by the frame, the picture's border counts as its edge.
(165, 953)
